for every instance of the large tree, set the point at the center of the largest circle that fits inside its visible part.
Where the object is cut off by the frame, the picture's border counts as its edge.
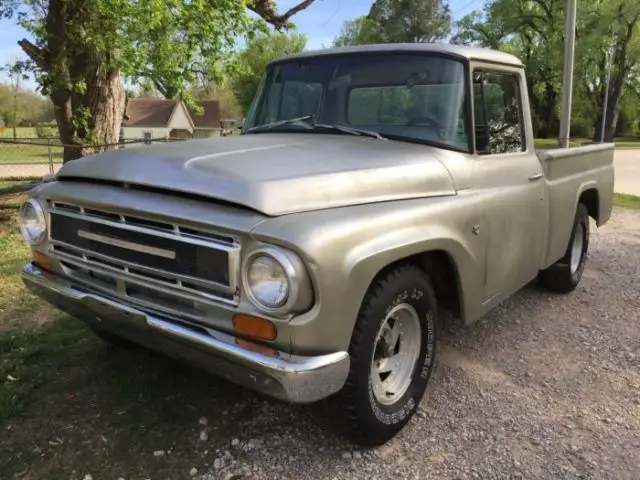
(399, 21)
(84, 48)
(534, 30)
(253, 60)
(610, 33)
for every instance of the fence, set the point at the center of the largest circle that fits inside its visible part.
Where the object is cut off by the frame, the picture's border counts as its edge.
(12, 194)
(37, 157)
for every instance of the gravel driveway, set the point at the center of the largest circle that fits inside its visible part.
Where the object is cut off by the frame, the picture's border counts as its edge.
(546, 386)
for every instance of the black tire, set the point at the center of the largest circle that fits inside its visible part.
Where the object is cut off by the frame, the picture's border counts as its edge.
(559, 277)
(369, 421)
(112, 339)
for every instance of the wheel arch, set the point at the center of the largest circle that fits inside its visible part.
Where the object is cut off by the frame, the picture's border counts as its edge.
(590, 197)
(454, 272)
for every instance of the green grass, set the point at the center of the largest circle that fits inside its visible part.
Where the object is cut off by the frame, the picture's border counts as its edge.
(21, 132)
(18, 153)
(626, 201)
(71, 405)
(549, 143)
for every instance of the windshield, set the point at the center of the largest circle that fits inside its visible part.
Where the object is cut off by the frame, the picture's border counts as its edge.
(414, 97)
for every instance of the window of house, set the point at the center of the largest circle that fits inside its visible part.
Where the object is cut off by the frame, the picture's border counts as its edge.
(498, 115)
(147, 137)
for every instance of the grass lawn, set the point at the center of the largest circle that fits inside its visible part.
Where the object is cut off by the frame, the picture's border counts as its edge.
(17, 153)
(70, 405)
(21, 132)
(626, 201)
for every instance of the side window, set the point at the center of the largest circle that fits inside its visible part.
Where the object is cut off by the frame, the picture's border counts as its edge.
(498, 118)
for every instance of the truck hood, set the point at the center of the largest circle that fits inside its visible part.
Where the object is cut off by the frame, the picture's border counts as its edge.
(276, 173)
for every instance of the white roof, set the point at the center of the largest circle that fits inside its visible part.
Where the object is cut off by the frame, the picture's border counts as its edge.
(460, 51)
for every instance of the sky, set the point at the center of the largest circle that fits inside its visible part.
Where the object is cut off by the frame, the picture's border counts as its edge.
(321, 22)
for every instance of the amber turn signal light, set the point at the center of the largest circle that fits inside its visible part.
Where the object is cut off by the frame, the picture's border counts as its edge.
(255, 327)
(42, 260)
(256, 347)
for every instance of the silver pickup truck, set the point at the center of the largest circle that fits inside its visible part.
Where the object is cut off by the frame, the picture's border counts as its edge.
(309, 257)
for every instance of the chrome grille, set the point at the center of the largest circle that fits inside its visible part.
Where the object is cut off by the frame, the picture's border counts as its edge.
(136, 257)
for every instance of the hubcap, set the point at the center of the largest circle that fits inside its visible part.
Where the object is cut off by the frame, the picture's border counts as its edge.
(576, 249)
(395, 354)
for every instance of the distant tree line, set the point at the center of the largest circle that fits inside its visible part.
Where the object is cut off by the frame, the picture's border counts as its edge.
(23, 107)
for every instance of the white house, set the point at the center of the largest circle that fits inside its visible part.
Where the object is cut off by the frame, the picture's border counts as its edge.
(207, 123)
(151, 118)
(157, 118)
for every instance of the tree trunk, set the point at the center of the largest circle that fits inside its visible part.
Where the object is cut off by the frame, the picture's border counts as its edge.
(105, 100)
(613, 109)
(550, 108)
(87, 92)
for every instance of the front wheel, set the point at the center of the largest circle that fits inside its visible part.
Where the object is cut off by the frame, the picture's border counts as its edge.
(564, 276)
(392, 352)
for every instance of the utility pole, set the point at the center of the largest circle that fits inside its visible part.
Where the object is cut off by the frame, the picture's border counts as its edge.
(606, 92)
(567, 81)
(15, 113)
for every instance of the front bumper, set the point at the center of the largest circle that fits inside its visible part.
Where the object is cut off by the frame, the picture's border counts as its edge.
(288, 377)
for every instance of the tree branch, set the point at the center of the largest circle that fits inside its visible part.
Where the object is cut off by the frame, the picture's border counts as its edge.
(34, 53)
(267, 10)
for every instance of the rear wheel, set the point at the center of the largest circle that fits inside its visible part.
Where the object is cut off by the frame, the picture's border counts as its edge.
(564, 276)
(392, 352)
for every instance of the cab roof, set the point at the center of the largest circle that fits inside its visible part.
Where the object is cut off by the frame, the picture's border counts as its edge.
(459, 51)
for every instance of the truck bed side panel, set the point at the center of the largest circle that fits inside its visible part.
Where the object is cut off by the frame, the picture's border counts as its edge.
(570, 172)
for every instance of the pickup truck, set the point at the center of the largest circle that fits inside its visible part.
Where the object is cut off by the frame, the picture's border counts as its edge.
(372, 187)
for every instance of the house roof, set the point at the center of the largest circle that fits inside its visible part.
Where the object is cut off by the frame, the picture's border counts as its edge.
(210, 115)
(157, 112)
(148, 112)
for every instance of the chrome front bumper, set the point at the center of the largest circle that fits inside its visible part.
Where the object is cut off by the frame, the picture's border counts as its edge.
(288, 377)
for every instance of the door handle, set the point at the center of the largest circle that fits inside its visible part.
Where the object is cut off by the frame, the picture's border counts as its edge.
(535, 177)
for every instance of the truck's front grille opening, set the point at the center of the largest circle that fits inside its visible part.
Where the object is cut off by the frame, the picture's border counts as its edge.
(154, 261)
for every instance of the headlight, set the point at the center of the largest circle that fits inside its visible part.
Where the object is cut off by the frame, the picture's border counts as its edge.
(33, 222)
(276, 281)
(267, 281)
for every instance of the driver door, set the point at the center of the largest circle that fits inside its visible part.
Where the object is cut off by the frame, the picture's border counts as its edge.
(508, 179)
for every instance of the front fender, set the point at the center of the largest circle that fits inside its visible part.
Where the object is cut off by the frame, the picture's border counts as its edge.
(345, 248)
(368, 259)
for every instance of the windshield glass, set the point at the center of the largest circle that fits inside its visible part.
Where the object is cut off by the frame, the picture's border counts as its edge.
(415, 97)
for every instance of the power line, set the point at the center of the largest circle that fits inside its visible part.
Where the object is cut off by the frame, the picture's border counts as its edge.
(465, 7)
(333, 14)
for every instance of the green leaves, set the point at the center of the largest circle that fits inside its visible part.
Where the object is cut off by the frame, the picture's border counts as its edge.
(252, 62)
(391, 21)
(534, 31)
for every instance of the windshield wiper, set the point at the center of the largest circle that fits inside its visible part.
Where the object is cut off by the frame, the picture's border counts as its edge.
(351, 130)
(288, 121)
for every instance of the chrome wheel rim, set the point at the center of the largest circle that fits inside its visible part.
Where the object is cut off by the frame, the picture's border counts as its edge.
(576, 249)
(395, 354)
